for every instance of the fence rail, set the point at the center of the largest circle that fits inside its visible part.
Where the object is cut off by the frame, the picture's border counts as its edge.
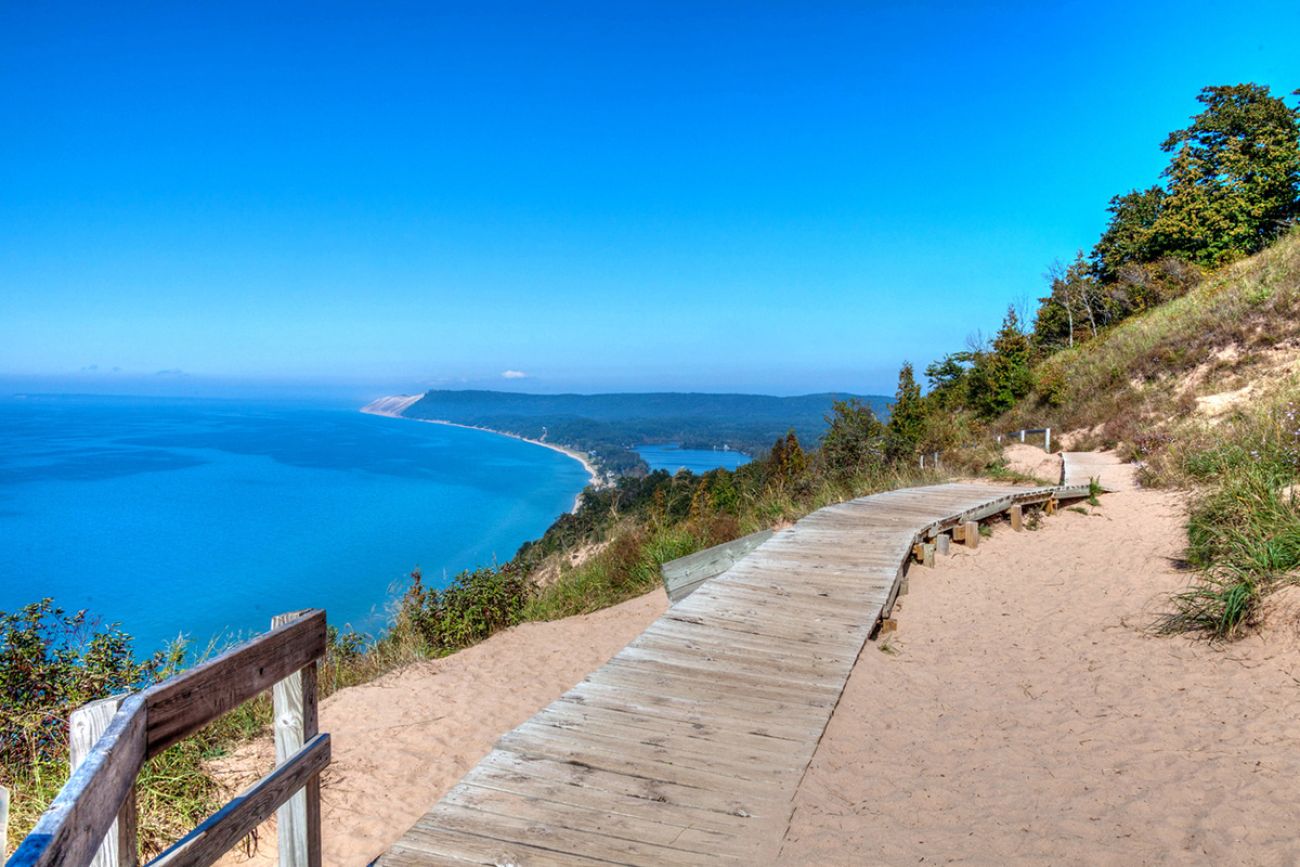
(92, 820)
(1045, 431)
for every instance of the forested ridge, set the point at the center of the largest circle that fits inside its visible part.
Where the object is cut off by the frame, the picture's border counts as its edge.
(609, 426)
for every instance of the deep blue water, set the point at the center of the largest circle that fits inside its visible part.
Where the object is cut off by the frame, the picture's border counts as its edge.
(209, 517)
(669, 457)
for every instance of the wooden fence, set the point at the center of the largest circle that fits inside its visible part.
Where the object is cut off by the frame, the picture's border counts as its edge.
(1045, 431)
(93, 818)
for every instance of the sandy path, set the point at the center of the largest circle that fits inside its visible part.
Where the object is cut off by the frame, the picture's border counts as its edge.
(1025, 716)
(401, 742)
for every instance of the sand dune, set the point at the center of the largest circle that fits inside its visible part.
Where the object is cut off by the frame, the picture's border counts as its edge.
(402, 741)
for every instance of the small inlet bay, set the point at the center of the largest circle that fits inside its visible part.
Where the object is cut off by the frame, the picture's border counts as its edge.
(671, 457)
(209, 517)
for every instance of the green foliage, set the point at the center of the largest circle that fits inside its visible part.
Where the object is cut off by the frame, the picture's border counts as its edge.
(1234, 178)
(949, 380)
(907, 417)
(1130, 235)
(1001, 375)
(854, 441)
(474, 605)
(787, 462)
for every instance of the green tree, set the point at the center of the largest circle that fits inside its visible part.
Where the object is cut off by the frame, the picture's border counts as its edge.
(787, 461)
(1130, 235)
(906, 418)
(1073, 307)
(1234, 178)
(854, 440)
(947, 376)
(1001, 375)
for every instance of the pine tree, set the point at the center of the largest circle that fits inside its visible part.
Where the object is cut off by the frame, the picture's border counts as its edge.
(906, 418)
(1001, 375)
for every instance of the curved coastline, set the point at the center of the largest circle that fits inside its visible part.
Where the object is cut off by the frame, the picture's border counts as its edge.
(393, 407)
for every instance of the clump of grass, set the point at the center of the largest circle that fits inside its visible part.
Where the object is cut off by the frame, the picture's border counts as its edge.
(1243, 529)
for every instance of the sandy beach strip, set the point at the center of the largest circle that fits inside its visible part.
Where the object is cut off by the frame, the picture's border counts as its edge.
(393, 407)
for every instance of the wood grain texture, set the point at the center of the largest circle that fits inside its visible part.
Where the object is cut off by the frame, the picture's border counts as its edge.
(687, 746)
(685, 574)
(216, 836)
(86, 725)
(72, 829)
(293, 701)
(181, 705)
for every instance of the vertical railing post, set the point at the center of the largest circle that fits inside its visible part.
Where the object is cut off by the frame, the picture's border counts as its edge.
(4, 823)
(1022, 434)
(294, 706)
(85, 726)
(1047, 441)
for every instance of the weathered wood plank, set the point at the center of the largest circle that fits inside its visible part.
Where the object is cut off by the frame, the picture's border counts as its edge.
(182, 705)
(685, 574)
(293, 701)
(71, 830)
(86, 725)
(221, 831)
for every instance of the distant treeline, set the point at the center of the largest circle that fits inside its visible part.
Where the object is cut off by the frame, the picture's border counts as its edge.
(609, 426)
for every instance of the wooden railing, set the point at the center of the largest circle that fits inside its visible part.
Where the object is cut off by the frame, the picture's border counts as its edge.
(93, 819)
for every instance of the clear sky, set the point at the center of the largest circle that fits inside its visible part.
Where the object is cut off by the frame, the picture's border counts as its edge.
(381, 197)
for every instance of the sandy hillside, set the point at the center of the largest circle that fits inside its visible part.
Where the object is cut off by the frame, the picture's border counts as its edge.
(1033, 461)
(402, 741)
(1023, 715)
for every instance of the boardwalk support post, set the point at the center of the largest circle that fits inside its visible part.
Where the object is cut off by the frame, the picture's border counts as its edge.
(970, 534)
(294, 706)
(85, 726)
(927, 555)
(1017, 515)
(942, 543)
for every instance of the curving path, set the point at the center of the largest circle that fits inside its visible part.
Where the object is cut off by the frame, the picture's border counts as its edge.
(688, 746)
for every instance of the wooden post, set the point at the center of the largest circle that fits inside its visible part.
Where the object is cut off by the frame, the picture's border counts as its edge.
(927, 555)
(4, 823)
(1017, 518)
(293, 702)
(86, 724)
(1050, 506)
(1047, 440)
(941, 543)
(971, 534)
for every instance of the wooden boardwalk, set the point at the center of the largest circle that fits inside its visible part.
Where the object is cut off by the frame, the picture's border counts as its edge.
(687, 747)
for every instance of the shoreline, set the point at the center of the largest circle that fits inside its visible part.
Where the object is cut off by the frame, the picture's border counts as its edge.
(393, 407)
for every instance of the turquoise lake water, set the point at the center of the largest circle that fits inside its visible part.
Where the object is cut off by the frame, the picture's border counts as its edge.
(209, 517)
(671, 458)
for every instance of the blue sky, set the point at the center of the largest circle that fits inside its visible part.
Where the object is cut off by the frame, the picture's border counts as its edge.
(383, 197)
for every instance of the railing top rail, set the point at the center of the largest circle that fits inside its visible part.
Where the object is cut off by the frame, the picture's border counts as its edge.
(181, 705)
(72, 829)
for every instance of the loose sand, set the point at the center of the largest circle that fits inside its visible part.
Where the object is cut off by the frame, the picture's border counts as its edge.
(401, 742)
(1033, 461)
(1024, 714)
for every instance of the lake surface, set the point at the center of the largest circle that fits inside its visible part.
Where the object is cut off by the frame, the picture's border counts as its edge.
(669, 457)
(209, 517)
